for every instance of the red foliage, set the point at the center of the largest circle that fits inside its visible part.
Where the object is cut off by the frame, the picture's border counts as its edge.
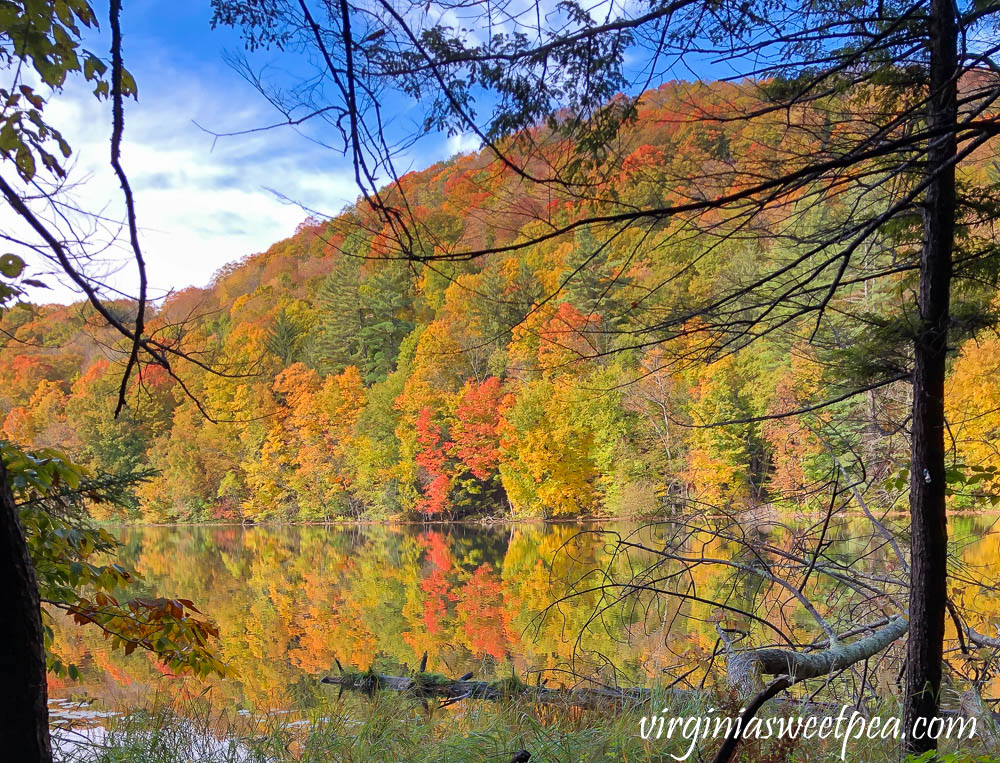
(433, 458)
(644, 157)
(477, 441)
(567, 337)
(438, 553)
(93, 374)
(436, 585)
(481, 606)
(154, 377)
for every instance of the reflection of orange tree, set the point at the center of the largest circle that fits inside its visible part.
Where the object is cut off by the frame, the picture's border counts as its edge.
(430, 597)
(483, 616)
(435, 584)
(289, 601)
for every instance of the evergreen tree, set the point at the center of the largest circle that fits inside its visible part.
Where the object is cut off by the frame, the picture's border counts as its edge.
(338, 340)
(387, 318)
(285, 339)
(598, 288)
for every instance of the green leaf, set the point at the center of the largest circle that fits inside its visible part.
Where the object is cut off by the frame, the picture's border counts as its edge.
(11, 265)
(9, 138)
(953, 475)
(129, 87)
(25, 162)
(93, 67)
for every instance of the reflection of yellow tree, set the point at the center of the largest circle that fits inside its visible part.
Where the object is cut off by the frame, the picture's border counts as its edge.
(290, 601)
(973, 584)
(545, 565)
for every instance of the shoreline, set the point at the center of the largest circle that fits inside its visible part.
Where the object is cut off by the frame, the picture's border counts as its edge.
(488, 522)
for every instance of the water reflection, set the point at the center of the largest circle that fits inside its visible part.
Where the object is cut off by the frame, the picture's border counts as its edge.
(291, 600)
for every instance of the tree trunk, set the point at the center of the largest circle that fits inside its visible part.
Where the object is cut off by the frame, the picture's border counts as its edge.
(929, 532)
(24, 715)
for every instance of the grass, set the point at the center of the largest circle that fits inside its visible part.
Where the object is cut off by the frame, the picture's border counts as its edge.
(387, 727)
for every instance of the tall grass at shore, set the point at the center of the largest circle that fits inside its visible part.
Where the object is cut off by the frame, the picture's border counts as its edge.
(391, 728)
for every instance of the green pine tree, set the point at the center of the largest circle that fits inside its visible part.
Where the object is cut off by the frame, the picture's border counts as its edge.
(387, 295)
(285, 339)
(597, 287)
(338, 340)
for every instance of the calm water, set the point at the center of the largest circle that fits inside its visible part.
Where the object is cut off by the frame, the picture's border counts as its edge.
(289, 600)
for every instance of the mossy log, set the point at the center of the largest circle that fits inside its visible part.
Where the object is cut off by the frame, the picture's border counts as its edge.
(433, 685)
(745, 670)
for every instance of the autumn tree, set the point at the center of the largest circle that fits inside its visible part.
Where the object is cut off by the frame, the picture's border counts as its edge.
(879, 103)
(459, 453)
(41, 49)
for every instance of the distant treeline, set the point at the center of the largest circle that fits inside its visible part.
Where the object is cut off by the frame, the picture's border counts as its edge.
(529, 384)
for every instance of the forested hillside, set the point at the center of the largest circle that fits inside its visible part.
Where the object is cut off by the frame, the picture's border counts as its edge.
(525, 384)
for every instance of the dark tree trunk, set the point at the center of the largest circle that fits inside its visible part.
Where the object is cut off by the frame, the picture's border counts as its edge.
(928, 545)
(24, 715)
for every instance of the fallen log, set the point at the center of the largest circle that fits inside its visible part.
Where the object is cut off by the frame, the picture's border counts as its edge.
(432, 685)
(746, 668)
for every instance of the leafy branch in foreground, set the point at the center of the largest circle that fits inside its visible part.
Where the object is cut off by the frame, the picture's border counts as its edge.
(77, 572)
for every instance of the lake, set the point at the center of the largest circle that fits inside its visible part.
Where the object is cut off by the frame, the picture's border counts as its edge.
(290, 600)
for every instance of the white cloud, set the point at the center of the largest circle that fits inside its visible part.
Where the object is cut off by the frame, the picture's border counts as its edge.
(199, 205)
(463, 143)
(202, 202)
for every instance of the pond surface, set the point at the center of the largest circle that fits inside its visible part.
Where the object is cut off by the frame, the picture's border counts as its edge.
(289, 601)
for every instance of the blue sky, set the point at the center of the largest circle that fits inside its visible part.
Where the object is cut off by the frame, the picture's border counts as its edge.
(201, 202)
